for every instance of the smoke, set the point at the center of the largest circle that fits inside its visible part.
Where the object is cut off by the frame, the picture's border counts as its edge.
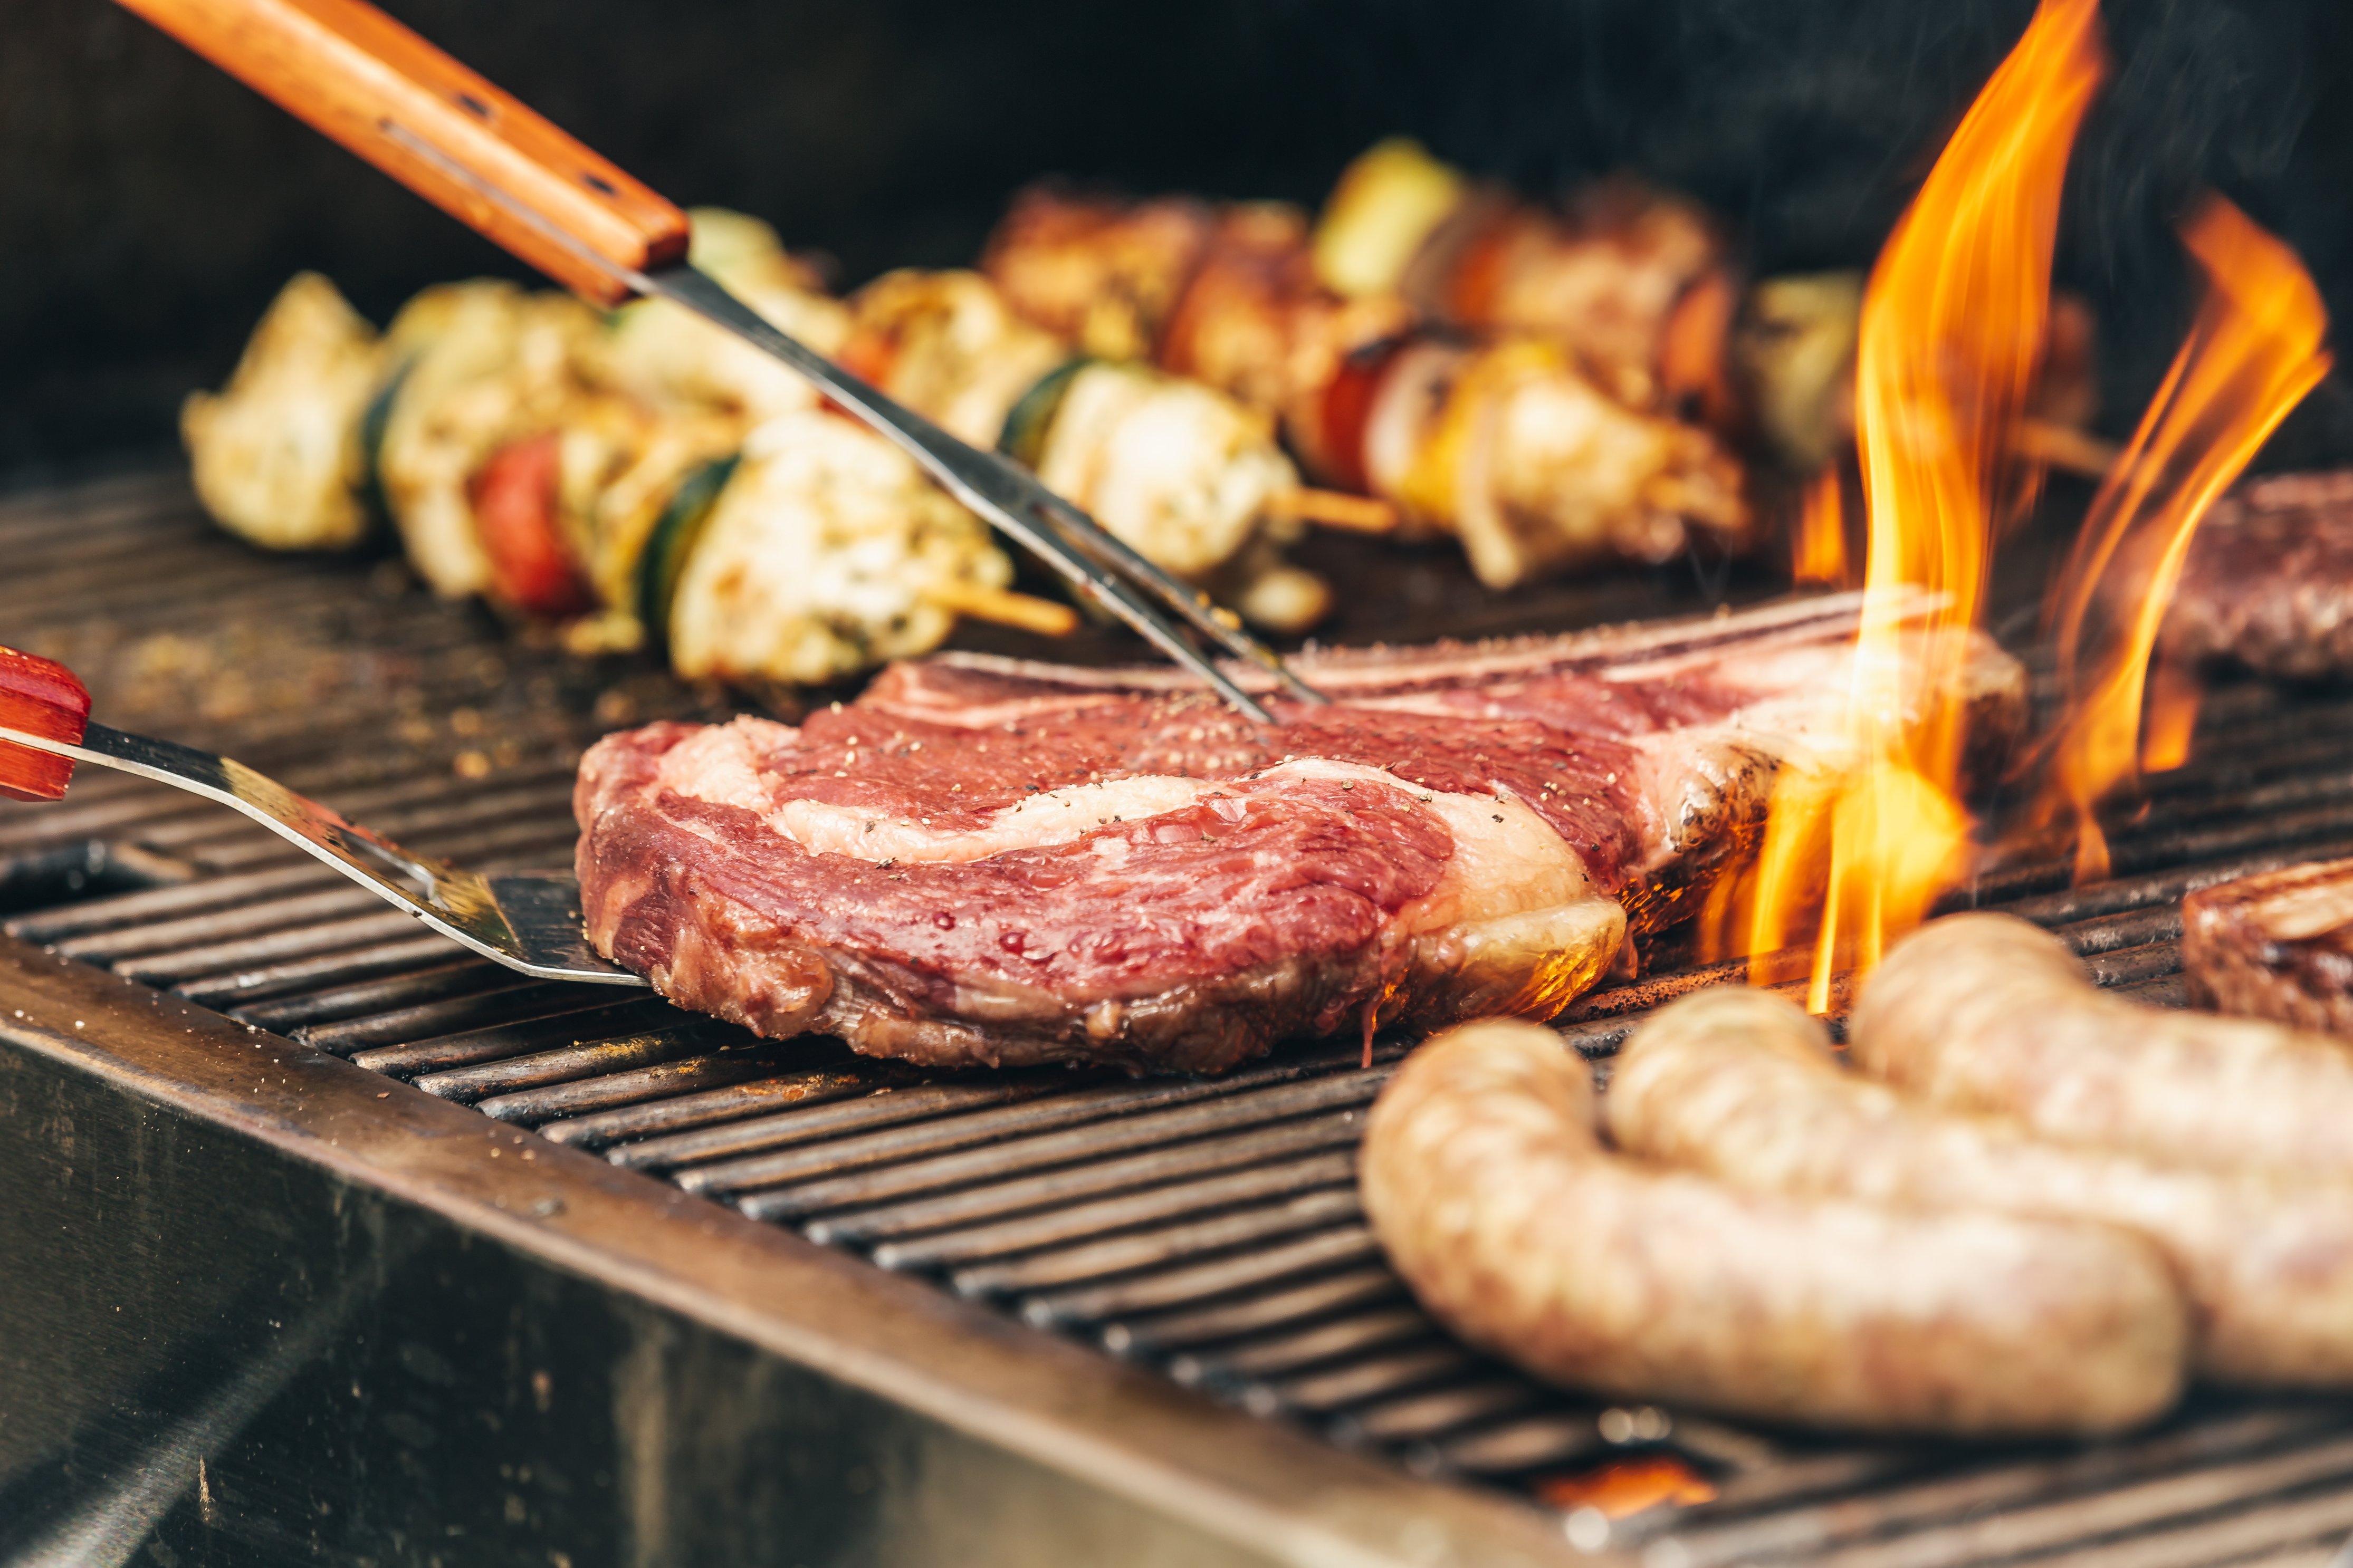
(1810, 122)
(151, 207)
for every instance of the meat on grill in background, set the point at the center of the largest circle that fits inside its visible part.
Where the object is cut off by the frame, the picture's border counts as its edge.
(2269, 582)
(1635, 286)
(1516, 441)
(2275, 946)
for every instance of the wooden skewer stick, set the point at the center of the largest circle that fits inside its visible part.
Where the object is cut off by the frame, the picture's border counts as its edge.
(2064, 448)
(1334, 508)
(1004, 607)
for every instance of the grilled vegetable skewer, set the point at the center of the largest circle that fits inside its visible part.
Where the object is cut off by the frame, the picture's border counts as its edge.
(1516, 444)
(1633, 289)
(571, 471)
(1186, 475)
(1637, 282)
(650, 477)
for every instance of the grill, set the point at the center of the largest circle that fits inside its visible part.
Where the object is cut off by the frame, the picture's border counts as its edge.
(1205, 1230)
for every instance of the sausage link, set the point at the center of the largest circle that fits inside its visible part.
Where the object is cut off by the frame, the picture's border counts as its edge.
(1986, 1013)
(1483, 1177)
(1742, 1086)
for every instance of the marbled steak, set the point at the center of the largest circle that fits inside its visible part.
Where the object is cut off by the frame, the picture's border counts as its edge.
(981, 861)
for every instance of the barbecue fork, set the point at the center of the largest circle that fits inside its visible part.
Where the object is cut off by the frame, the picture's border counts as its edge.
(528, 921)
(448, 134)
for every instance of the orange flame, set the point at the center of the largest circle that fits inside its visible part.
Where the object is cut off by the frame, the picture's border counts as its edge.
(2251, 354)
(1953, 323)
(1819, 553)
(1629, 1486)
(2174, 695)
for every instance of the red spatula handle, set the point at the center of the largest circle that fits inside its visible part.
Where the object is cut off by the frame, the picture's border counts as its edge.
(40, 697)
(355, 73)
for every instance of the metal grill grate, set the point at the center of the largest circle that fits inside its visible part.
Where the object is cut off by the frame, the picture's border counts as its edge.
(1208, 1227)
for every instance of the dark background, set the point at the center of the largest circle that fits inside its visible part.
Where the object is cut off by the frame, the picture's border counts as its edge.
(149, 207)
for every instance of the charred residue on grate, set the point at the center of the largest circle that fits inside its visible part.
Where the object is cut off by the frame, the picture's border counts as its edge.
(1206, 1228)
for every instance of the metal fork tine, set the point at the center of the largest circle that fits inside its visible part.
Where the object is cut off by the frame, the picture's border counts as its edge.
(1067, 539)
(1190, 602)
(1118, 578)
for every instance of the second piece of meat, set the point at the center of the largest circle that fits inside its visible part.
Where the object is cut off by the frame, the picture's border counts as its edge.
(2277, 945)
(2269, 580)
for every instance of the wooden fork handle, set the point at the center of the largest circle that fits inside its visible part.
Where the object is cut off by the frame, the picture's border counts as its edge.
(39, 697)
(437, 128)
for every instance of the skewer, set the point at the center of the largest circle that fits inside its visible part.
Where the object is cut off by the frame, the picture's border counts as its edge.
(487, 160)
(2064, 448)
(1002, 607)
(1334, 508)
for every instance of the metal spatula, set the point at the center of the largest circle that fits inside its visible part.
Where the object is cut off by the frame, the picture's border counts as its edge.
(455, 140)
(528, 921)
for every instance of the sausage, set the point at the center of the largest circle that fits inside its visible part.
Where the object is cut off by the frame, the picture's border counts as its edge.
(1986, 1013)
(1741, 1085)
(1483, 1177)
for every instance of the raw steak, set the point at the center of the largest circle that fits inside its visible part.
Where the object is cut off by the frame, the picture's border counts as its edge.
(985, 861)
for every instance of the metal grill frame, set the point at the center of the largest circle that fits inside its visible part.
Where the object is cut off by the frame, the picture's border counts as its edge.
(1033, 1427)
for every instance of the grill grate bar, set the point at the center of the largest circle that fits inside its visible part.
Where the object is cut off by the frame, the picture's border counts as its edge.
(303, 941)
(579, 1017)
(1515, 1447)
(878, 1109)
(819, 1086)
(1414, 1418)
(1978, 1491)
(1198, 1282)
(567, 1063)
(1153, 1249)
(1249, 1152)
(1392, 1371)
(1029, 1108)
(107, 914)
(396, 993)
(1175, 1330)
(2019, 1530)
(338, 898)
(525, 1107)
(145, 808)
(409, 811)
(1290, 1351)
(1138, 1129)
(1058, 1226)
(244, 989)
(2127, 893)
(508, 999)
(2317, 1524)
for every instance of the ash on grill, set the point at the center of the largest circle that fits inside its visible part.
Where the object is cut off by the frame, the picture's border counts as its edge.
(1208, 1227)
